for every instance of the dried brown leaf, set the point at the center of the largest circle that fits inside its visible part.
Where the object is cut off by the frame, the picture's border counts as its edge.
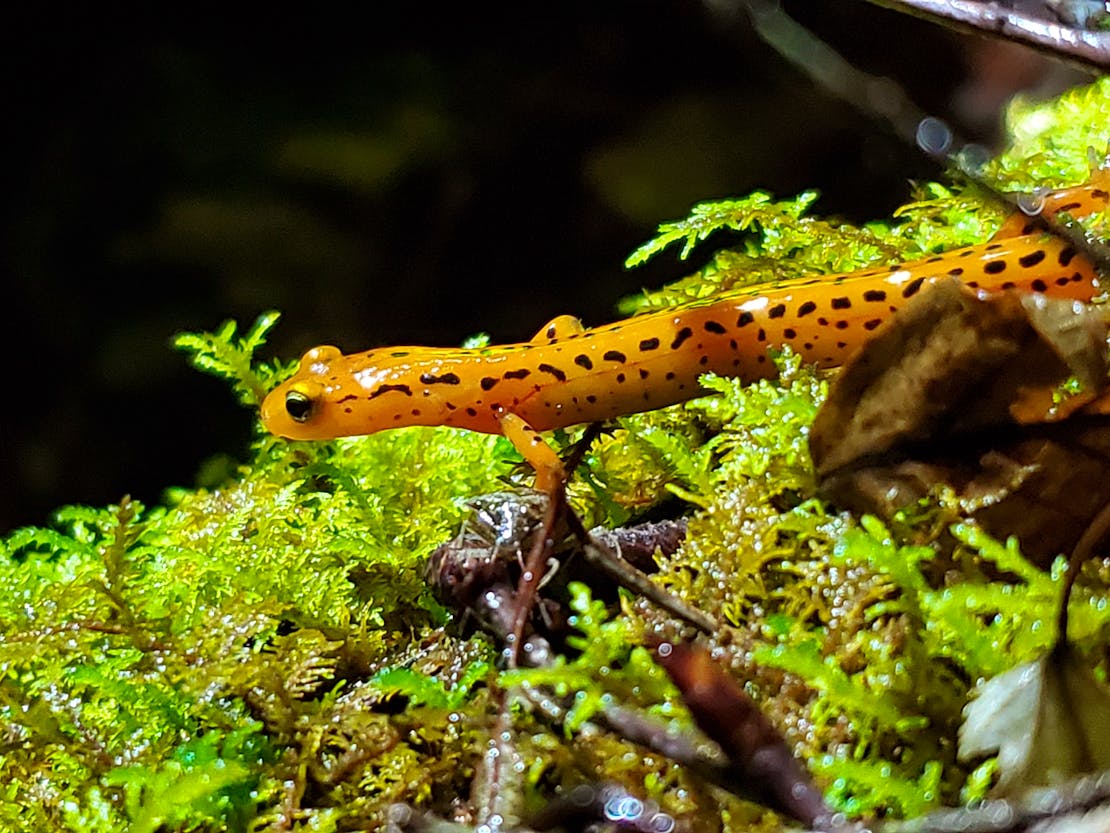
(1001, 398)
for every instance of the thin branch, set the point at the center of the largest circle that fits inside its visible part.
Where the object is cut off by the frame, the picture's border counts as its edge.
(1087, 50)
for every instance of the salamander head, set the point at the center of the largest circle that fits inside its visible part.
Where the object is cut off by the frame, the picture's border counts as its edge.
(304, 407)
(333, 395)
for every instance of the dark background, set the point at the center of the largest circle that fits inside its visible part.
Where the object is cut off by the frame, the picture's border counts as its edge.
(414, 178)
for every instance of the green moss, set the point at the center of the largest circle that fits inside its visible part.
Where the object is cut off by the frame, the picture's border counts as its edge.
(264, 648)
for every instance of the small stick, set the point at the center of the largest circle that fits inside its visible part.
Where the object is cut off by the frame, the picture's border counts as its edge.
(1084, 49)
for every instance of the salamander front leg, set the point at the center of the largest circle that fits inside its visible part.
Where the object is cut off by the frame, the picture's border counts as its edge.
(551, 479)
(551, 475)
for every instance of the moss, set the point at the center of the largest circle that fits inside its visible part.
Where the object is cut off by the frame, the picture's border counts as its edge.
(263, 651)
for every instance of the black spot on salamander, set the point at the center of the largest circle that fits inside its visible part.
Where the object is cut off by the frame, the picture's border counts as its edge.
(967, 253)
(449, 406)
(553, 371)
(346, 398)
(842, 325)
(680, 337)
(1076, 277)
(842, 303)
(591, 398)
(994, 247)
(1028, 228)
(649, 344)
(405, 389)
(777, 311)
(584, 361)
(874, 295)
(444, 379)
(620, 378)
(823, 321)
(488, 382)
(714, 327)
(1066, 254)
(995, 267)
(910, 289)
(1099, 194)
(1031, 259)
(1038, 285)
(643, 373)
(647, 396)
(733, 344)
(760, 358)
(471, 412)
(808, 345)
(744, 319)
(1071, 206)
(416, 412)
(934, 260)
(841, 345)
(806, 308)
(523, 373)
(760, 336)
(348, 409)
(1009, 285)
(615, 356)
(955, 273)
(670, 375)
(399, 354)
(872, 324)
(703, 360)
(789, 332)
(973, 284)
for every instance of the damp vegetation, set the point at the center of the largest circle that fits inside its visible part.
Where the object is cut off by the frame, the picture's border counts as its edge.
(265, 654)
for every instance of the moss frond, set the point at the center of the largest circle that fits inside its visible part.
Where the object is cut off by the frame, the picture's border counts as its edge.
(221, 354)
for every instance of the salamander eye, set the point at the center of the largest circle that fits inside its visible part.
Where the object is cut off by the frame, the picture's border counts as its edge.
(298, 406)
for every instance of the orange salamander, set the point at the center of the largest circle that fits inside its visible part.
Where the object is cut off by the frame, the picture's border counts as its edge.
(568, 374)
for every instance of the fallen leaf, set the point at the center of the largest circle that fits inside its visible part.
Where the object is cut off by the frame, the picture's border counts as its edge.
(1047, 721)
(1002, 398)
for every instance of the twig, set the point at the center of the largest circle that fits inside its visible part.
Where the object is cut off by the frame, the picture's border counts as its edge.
(870, 94)
(625, 575)
(881, 98)
(1094, 534)
(1087, 50)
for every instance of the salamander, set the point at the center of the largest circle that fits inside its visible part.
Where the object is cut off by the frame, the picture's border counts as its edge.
(568, 374)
